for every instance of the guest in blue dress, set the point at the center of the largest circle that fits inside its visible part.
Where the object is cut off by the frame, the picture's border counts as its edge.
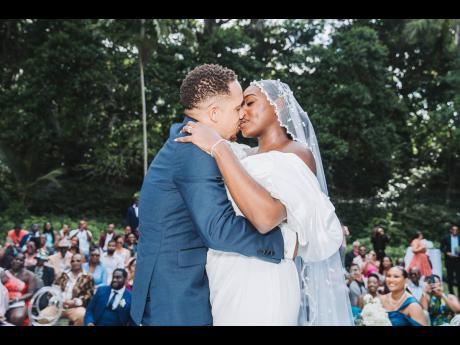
(95, 268)
(408, 310)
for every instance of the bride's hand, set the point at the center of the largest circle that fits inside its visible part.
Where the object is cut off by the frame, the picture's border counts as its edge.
(200, 135)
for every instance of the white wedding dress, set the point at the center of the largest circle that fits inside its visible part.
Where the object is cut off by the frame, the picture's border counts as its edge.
(249, 291)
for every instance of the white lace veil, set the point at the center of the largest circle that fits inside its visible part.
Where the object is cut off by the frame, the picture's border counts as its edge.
(325, 297)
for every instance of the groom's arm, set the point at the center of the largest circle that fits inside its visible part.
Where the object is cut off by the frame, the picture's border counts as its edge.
(202, 188)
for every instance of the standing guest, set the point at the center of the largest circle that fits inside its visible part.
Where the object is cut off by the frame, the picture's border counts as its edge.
(95, 268)
(77, 288)
(84, 236)
(51, 237)
(357, 286)
(131, 271)
(379, 240)
(111, 261)
(45, 274)
(373, 284)
(351, 255)
(63, 233)
(450, 247)
(106, 237)
(402, 308)
(131, 245)
(75, 247)
(416, 284)
(60, 261)
(132, 216)
(21, 285)
(371, 265)
(110, 305)
(441, 307)
(420, 258)
(30, 254)
(17, 235)
(122, 252)
(361, 258)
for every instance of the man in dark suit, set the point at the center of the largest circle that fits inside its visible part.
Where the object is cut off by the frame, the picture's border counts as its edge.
(450, 247)
(132, 216)
(45, 273)
(110, 305)
(184, 210)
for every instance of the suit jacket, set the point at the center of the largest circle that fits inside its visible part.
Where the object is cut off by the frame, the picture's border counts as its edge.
(48, 274)
(446, 244)
(131, 219)
(98, 303)
(183, 211)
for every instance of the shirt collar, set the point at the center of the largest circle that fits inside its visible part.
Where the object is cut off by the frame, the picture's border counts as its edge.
(119, 292)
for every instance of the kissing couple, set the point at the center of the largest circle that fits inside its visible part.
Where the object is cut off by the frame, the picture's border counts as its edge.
(232, 234)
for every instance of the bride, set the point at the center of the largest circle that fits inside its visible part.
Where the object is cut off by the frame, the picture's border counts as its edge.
(280, 182)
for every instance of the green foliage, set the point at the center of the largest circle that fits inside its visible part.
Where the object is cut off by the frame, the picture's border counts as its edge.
(383, 96)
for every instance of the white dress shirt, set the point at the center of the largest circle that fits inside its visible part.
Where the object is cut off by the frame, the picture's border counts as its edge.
(118, 297)
(111, 262)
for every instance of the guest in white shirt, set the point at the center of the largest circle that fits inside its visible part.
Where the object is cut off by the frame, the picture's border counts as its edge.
(122, 252)
(416, 284)
(111, 261)
(84, 236)
(360, 260)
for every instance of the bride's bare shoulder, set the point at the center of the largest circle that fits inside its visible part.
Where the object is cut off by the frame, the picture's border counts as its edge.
(303, 152)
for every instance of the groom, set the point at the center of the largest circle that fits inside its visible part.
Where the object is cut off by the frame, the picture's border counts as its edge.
(184, 210)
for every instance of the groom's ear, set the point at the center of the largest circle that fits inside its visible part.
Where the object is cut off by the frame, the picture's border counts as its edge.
(213, 110)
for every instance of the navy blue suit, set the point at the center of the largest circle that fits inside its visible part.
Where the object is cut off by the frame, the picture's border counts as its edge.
(132, 220)
(99, 314)
(183, 211)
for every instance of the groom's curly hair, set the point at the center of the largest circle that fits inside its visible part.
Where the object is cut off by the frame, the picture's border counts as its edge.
(203, 82)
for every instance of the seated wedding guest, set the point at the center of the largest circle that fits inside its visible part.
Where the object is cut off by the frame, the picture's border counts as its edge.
(385, 266)
(373, 284)
(131, 245)
(357, 286)
(110, 306)
(4, 301)
(441, 307)
(126, 231)
(403, 309)
(51, 237)
(400, 262)
(361, 258)
(64, 233)
(371, 264)
(7, 254)
(30, 254)
(106, 237)
(77, 288)
(34, 235)
(416, 285)
(75, 247)
(42, 243)
(122, 252)
(420, 258)
(131, 268)
(21, 285)
(60, 261)
(17, 234)
(95, 268)
(351, 255)
(44, 273)
(111, 261)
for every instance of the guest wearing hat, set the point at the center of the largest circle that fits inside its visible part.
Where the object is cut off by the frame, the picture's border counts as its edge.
(60, 261)
(43, 272)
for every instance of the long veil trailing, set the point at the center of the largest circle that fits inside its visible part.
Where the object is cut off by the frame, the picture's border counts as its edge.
(325, 300)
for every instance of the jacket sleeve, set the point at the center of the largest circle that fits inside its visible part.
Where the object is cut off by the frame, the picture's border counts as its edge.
(202, 188)
(89, 314)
